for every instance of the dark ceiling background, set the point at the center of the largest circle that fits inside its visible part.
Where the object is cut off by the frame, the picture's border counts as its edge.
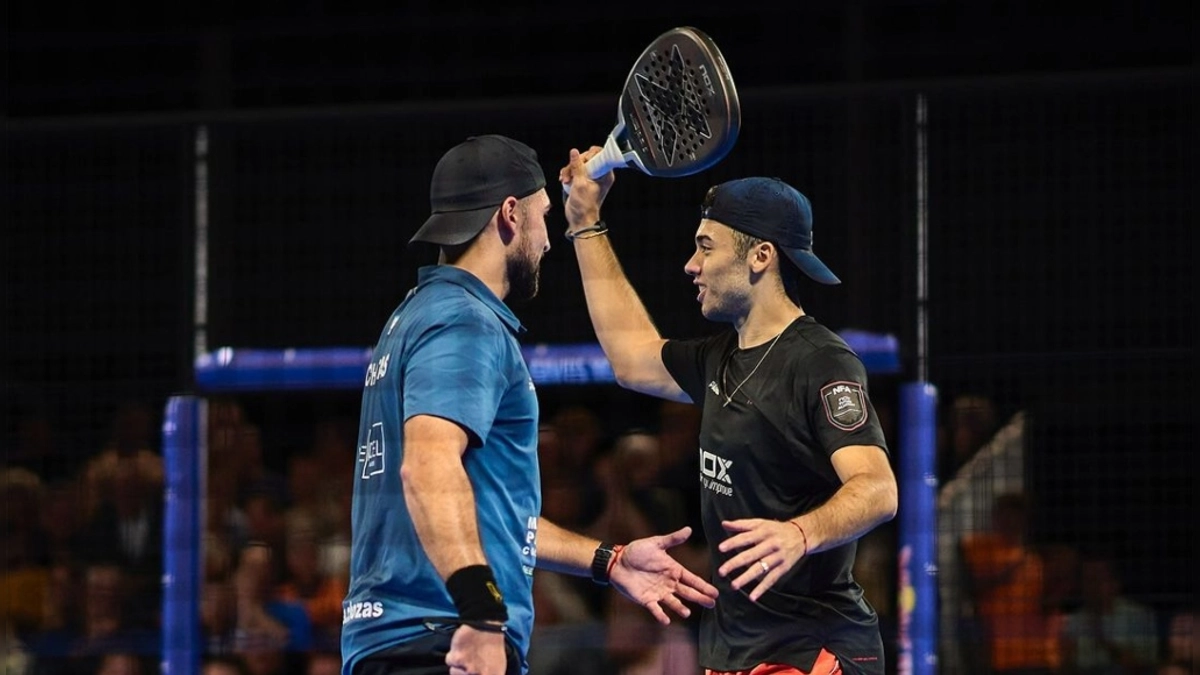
(97, 58)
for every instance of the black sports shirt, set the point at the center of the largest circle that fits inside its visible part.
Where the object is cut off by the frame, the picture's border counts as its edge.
(765, 453)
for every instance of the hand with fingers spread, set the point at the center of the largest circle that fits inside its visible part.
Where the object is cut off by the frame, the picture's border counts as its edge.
(646, 574)
(767, 550)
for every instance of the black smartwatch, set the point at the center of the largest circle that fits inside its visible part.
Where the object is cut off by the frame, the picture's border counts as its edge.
(600, 560)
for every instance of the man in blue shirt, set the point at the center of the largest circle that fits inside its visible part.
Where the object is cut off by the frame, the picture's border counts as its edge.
(446, 527)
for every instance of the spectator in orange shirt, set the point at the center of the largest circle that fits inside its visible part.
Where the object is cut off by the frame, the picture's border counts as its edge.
(1008, 586)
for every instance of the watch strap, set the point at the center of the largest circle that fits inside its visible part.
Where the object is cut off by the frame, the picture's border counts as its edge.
(601, 561)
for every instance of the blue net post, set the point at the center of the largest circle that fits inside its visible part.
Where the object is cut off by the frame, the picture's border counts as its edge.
(917, 530)
(183, 447)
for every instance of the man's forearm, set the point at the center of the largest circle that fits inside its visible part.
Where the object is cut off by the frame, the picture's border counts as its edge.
(618, 315)
(860, 505)
(561, 550)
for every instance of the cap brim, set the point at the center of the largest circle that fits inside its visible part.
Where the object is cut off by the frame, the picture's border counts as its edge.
(811, 265)
(454, 227)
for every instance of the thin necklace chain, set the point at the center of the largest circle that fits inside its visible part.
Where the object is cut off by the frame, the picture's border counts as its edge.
(725, 372)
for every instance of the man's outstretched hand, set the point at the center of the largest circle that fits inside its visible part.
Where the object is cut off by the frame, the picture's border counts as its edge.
(648, 575)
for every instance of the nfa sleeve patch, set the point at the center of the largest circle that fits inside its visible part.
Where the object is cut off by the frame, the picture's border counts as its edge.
(845, 405)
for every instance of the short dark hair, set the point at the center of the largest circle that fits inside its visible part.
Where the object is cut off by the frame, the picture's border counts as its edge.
(789, 274)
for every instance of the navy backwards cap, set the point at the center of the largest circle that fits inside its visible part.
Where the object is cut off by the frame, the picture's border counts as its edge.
(471, 180)
(773, 211)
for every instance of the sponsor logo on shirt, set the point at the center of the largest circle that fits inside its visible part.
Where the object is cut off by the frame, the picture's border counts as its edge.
(371, 452)
(529, 550)
(845, 405)
(714, 473)
(357, 611)
(377, 370)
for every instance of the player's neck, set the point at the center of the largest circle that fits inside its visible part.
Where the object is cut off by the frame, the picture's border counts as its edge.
(486, 265)
(765, 320)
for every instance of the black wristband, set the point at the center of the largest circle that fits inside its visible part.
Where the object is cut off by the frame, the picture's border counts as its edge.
(476, 595)
(600, 560)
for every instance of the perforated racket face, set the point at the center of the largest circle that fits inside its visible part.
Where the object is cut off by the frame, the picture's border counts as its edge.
(680, 106)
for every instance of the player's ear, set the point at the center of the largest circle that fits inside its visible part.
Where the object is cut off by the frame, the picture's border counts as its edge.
(762, 255)
(507, 218)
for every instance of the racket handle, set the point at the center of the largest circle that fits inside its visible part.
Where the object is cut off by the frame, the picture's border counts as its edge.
(610, 158)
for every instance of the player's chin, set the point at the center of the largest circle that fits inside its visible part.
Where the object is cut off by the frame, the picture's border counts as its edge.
(711, 311)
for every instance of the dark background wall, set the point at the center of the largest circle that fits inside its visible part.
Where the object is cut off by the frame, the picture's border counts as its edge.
(1061, 184)
(86, 59)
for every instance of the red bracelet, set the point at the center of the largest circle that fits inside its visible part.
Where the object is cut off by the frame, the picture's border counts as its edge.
(617, 550)
(803, 535)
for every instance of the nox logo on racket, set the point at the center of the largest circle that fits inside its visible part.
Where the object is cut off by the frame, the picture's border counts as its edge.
(671, 101)
(708, 83)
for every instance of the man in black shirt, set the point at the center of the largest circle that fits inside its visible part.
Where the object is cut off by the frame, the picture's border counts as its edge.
(793, 462)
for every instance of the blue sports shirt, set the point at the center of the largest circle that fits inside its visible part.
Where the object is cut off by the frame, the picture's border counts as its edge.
(449, 350)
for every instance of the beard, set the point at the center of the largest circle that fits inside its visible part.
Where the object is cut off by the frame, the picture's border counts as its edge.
(716, 313)
(726, 305)
(524, 270)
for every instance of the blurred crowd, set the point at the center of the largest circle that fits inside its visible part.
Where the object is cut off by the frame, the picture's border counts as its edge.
(81, 580)
(1015, 603)
(81, 572)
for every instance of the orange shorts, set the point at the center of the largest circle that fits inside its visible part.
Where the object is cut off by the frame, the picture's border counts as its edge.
(827, 664)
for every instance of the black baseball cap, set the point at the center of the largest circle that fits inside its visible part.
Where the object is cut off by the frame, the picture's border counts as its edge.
(774, 211)
(469, 183)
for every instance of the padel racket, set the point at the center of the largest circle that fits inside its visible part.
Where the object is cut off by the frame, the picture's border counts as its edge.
(679, 113)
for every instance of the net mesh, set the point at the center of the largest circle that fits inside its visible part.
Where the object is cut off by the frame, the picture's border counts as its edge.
(1060, 252)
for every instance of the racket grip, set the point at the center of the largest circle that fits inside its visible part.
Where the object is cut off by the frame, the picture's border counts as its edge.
(610, 158)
